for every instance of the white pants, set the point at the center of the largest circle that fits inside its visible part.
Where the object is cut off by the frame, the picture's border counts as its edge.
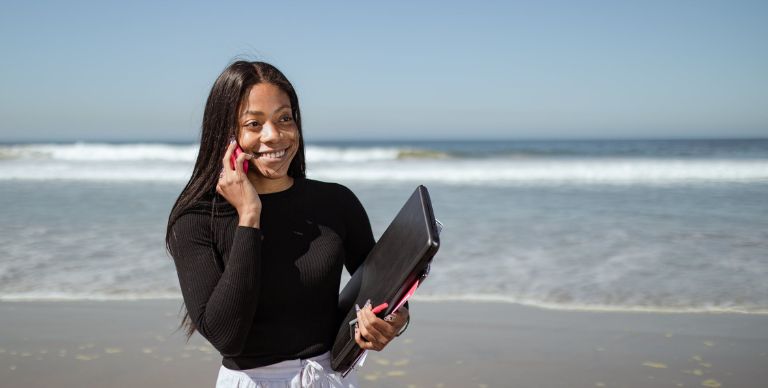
(310, 372)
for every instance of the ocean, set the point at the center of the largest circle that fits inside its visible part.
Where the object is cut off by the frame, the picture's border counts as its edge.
(642, 225)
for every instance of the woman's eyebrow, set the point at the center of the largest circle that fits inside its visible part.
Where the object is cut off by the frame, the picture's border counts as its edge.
(260, 113)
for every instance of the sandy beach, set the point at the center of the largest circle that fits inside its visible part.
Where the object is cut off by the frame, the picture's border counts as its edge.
(449, 344)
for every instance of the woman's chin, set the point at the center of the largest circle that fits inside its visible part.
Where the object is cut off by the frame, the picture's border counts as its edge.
(271, 169)
(269, 173)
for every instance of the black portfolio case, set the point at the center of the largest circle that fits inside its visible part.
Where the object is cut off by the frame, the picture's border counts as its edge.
(400, 257)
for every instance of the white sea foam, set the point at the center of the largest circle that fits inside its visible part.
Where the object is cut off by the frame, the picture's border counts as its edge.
(100, 152)
(182, 153)
(173, 163)
(350, 154)
(484, 171)
(553, 171)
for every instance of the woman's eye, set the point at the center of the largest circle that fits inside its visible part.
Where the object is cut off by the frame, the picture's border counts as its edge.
(287, 118)
(253, 124)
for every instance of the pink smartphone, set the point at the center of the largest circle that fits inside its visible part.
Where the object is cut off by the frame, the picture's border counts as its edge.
(234, 156)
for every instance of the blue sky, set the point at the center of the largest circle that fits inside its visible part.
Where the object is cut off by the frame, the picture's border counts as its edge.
(392, 70)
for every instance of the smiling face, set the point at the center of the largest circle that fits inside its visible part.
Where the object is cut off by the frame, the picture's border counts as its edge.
(268, 131)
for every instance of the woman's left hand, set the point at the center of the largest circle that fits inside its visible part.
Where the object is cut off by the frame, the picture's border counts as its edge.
(375, 333)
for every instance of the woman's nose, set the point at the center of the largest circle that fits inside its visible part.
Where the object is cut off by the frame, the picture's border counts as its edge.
(268, 132)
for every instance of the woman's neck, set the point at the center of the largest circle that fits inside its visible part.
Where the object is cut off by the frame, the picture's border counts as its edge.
(265, 185)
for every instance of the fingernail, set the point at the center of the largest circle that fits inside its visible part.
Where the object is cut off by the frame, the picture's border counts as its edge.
(231, 139)
(357, 308)
(367, 303)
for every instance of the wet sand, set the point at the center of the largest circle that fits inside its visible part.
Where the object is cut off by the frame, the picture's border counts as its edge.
(448, 344)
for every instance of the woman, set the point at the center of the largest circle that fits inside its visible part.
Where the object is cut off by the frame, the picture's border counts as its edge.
(259, 254)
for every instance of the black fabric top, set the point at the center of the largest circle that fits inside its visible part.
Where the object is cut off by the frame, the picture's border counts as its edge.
(269, 294)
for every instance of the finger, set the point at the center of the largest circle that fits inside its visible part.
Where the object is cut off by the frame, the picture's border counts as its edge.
(359, 340)
(373, 327)
(228, 155)
(239, 161)
(365, 335)
(361, 332)
(385, 328)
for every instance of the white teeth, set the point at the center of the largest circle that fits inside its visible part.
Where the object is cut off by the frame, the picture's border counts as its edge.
(273, 155)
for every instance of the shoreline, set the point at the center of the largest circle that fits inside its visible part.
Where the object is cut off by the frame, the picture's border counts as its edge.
(443, 299)
(448, 343)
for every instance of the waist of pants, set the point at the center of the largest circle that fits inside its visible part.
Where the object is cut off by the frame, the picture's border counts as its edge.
(285, 368)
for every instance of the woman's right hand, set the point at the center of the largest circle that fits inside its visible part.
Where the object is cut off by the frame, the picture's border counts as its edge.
(235, 187)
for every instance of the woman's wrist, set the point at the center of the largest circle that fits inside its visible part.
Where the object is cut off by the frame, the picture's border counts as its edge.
(251, 220)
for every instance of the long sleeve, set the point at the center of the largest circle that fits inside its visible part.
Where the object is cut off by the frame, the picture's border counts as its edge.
(359, 240)
(221, 304)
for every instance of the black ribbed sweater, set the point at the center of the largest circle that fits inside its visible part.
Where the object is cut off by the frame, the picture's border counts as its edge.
(265, 295)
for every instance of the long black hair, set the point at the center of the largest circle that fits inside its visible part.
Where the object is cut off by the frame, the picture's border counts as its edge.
(220, 122)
